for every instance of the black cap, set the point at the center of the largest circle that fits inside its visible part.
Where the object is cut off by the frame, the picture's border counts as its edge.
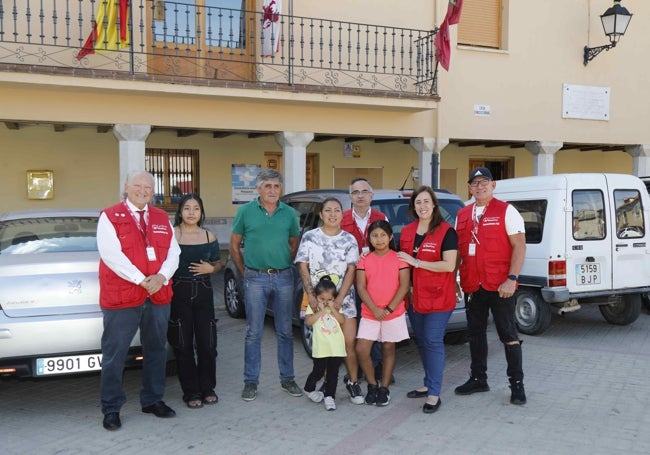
(480, 172)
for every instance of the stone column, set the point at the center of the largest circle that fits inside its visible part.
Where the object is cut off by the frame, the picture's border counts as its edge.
(641, 159)
(427, 163)
(294, 154)
(544, 152)
(131, 147)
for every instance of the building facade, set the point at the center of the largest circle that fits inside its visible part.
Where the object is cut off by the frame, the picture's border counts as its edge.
(199, 91)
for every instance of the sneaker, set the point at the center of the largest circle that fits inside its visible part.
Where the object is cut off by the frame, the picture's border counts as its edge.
(517, 393)
(383, 396)
(371, 396)
(316, 396)
(330, 404)
(250, 392)
(472, 385)
(354, 389)
(291, 388)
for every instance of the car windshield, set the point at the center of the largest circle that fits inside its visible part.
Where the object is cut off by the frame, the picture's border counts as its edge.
(48, 235)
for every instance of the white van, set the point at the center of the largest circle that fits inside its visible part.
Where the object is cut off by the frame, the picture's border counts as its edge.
(587, 240)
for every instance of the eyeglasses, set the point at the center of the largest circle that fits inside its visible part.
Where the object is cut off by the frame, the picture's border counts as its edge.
(357, 193)
(480, 183)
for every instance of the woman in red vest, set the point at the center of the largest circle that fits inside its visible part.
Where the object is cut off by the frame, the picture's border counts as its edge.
(430, 246)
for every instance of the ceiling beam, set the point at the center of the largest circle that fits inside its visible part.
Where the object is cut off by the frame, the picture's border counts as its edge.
(59, 127)
(221, 134)
(12, 125)
(325, 137)
(256, 135)
(185, 133)
(103, 128)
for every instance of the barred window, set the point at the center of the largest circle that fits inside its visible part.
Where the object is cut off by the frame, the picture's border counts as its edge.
(175, 171)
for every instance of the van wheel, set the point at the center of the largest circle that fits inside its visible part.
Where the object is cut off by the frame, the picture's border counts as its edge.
(307, 336)
(625, 312)
(532, 313)
(645, 299)
(232, 295)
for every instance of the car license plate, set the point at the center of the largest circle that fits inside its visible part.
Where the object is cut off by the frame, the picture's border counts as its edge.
(587, 273)
(68, 364)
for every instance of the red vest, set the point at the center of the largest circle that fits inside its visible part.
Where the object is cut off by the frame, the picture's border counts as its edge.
(116, 292)
(432, 291)
(489, 267)
(349, 225)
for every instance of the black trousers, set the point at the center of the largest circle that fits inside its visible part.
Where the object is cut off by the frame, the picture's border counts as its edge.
(503, 312)
(193, 335)
(321, 365)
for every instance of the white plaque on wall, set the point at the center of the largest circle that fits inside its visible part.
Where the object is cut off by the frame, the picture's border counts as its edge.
(585, 102)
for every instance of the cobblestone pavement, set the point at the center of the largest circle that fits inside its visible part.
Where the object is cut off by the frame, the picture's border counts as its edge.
(586, 381)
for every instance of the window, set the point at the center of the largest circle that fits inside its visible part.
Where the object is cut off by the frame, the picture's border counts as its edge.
(629, 214)
(48, 235)
(481, 23)
(588, 215)
(213, 23)
(176, 172)
(533, 212)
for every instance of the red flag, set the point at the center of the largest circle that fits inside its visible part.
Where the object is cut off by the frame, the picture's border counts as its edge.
(453, 11)
(442, 41)
(443, 46)
(105, 30)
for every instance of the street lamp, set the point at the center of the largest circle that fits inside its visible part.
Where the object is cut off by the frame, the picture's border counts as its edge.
(615, 21)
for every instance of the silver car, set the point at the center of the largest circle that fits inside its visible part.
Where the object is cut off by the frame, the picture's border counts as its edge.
(50, 320)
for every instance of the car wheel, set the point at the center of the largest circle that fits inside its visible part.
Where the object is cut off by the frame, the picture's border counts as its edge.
(532, 313)
(232, 295)
(624, 312)
(307, 336)
(459, 337)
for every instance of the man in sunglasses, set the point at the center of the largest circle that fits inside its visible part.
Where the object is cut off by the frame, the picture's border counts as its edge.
(492, 249)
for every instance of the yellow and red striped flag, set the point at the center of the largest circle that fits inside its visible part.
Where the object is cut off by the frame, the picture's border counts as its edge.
(110, 31)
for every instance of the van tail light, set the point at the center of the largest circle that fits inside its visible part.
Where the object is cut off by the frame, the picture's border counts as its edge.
(557, 274)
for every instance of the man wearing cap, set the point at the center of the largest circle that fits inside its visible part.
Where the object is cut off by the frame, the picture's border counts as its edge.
(492, 249)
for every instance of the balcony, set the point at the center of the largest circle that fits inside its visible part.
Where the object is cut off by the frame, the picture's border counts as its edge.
(187, 42)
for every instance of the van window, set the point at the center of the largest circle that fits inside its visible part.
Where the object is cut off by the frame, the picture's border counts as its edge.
(533, 212)
(589, 220)
(307, 213)
(629, 214)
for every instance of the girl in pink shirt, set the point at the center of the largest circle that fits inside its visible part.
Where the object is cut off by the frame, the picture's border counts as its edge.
(383, 281)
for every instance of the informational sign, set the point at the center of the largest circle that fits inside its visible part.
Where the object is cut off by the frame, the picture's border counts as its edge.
(243, 182)
(482, 109)
(585, 102)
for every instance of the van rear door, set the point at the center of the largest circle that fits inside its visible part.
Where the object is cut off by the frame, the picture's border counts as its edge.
(629, 231)
(589, 247)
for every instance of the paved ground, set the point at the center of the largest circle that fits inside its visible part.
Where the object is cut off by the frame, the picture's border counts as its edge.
(587, 383)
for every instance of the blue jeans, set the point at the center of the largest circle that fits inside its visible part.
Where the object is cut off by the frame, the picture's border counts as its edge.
(120, 327)
(260, 289)
(429, 329)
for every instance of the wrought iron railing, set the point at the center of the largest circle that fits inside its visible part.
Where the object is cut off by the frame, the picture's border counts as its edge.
(181, 42)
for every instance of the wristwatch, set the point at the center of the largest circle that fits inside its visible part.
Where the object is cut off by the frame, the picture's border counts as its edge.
(513, 277)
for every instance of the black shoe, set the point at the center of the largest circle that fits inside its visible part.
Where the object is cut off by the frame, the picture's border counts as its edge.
(112, 421)
(472, 385)
(417, 394)
(371, 396)
(517, 393)
(431, 408)
(159, 409)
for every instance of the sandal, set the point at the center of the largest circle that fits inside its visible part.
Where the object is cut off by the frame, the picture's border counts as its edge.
(194, 401)
(210, 398)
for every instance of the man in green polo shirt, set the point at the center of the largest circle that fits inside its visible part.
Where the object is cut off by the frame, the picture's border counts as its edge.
(269, 229)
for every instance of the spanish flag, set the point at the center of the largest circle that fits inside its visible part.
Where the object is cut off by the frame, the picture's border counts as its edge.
(110, 31)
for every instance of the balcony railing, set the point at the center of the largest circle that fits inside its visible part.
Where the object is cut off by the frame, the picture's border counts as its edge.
(181, 42)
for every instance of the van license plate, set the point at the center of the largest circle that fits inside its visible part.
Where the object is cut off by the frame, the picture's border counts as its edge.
(588, 273)
(68, 364)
